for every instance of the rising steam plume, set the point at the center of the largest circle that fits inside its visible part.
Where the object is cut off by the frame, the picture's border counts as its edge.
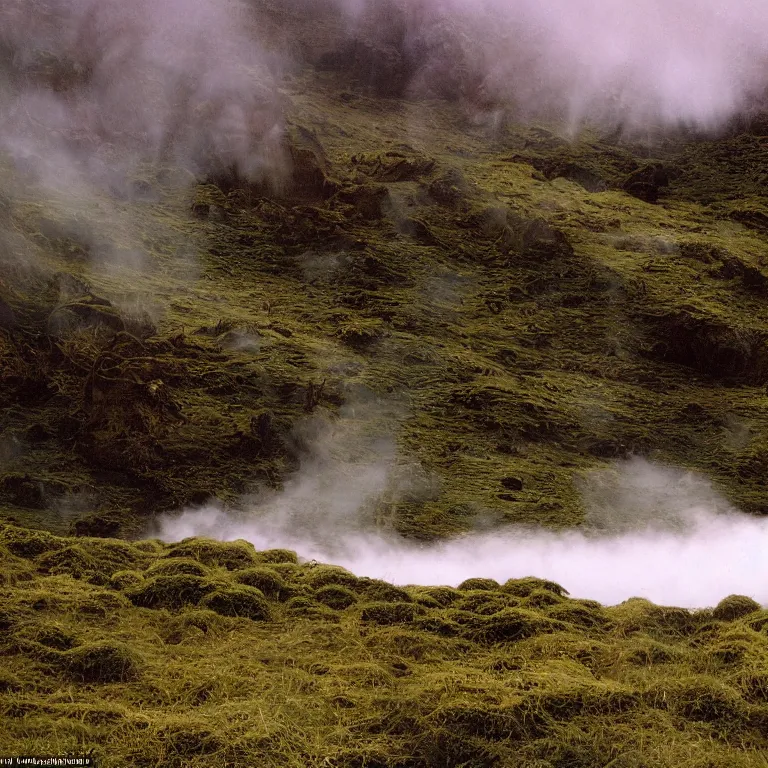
(650, 531)
(636, 62)
(98, 85)
(95, 86)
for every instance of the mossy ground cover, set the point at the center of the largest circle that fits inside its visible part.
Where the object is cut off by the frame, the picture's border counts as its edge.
(536, 306)
(189, 662)
(534, 325)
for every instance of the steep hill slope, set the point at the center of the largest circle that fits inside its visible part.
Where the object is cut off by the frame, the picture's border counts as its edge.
(532, 317)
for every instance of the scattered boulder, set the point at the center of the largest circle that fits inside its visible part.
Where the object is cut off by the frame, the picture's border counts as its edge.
(310, 176)
(99, 524)
(31, 492)
(588, 179)
(534, 239)
(367, 200)
(449, 189)
(709, 345)
(512, 483)
(378, 65)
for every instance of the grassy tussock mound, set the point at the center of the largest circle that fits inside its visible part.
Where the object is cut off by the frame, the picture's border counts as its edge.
(26, 543)
(266, 579)
(173, 566)
(336, 596)
(239, 601)
(230, 555)
(735, 607)
(170, 591)
(241, 658)
(309, 608)
(104, 662)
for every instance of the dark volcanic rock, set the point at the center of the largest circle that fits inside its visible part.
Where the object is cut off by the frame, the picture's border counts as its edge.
(646, 182)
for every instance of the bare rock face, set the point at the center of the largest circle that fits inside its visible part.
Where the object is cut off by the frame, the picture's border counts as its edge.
(646, 182)
(305, 174)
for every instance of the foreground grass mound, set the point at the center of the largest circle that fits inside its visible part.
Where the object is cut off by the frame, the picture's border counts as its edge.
(200, 654)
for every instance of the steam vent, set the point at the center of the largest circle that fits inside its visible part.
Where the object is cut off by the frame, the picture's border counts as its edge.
(384, 383)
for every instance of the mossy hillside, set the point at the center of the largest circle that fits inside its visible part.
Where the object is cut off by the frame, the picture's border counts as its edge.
(237, 674)
(537, 329)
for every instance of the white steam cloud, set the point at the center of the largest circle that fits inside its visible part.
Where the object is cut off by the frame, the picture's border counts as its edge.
(694, 62)
(650, 531)
(109, 102)
(95, 86)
